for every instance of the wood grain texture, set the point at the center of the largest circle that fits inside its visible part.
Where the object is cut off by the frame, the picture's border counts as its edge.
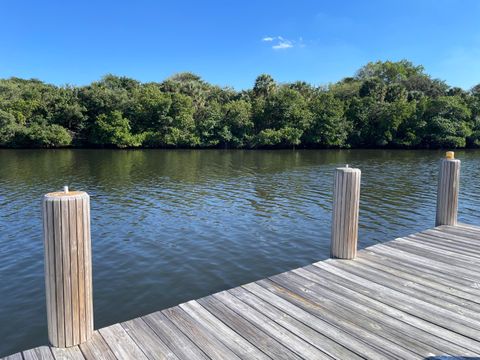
(199, 334)
(146, 339)
(68, 268)
(96, 348)
(346, 200)
(255, 335)
(313, 298)
(71, 353)
(347, 293)
(230, 338)
(40, 353)
(121, 344)
(175, 339)
(447, 192)
(416, 297)
(17, 356)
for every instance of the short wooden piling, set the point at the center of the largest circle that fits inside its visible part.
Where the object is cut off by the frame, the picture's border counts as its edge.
(447, 192)
(346, 200)
(68, 267)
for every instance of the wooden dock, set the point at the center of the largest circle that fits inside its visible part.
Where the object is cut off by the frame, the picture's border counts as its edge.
(416, 297)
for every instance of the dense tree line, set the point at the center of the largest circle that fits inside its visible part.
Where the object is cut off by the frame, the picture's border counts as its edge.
(386, 104)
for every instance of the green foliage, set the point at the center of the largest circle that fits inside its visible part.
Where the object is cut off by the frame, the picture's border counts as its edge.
(389, 72)
(8, 128)
(447, 120)
(386, 104)
(285, 136)
(329, 126)
(40, 136)
(264, 86)
(113, 129)
(236, 123)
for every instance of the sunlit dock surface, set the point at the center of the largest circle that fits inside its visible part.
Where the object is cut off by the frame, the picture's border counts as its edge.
(415, 297)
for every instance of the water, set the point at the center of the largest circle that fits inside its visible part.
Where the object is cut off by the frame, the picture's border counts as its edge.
(170, 226)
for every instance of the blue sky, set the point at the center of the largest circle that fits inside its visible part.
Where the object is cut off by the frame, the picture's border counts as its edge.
(231, 42)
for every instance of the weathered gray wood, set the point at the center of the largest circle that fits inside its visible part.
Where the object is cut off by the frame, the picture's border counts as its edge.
(463, 237)
(147, 340)
(75, 278)
(431, 252)
(447, 263)
(180, 344)
(440, 249)
(255, 335)
(67, 268)
(310, 335)
(412, 274)
(40, 353)
(96, 348)
(447, 241)
(87, 255)
(281, 334)
(463, 276)
(230, 338)
(347, 293)
(447, 193)
(434, 313)
(71, 353)
(345, 336)
(316, 299)
(468, 227)
(436, 270)
(199, 334)
(346, 198)
(414, 297)
(121, 344)
(414, 288)
(468, 235)
(17, 356)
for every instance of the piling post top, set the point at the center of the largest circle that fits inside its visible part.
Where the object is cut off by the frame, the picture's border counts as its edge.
(450, 156)
(347, 168)
(65, 195)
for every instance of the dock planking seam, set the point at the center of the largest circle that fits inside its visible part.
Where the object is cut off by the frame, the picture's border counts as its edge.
(364, 317)
(371, 304)
(312, 272)
(417, 296)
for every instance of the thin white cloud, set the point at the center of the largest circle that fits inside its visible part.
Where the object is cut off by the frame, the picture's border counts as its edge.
(280, 43)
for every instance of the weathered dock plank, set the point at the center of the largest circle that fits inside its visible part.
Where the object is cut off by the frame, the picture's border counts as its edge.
(414, 297)
(153, 347)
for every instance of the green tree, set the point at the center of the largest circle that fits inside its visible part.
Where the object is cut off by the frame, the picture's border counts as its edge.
(264, 86)
(389, 71)
(329, 127)
(113, 129)
(237, 124)
(151, 108)
(447, 120)
(8, 128)
(208, 124)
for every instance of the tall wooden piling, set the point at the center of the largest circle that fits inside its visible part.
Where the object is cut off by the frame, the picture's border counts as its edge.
(68, 267)
(346, 200)
(447, 192)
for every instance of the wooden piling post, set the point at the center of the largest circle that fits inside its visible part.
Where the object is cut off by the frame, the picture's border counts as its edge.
(447, 193)
(346, 200)
(68, 267)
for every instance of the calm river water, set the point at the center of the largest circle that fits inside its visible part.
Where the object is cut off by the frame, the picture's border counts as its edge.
(170, 226)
